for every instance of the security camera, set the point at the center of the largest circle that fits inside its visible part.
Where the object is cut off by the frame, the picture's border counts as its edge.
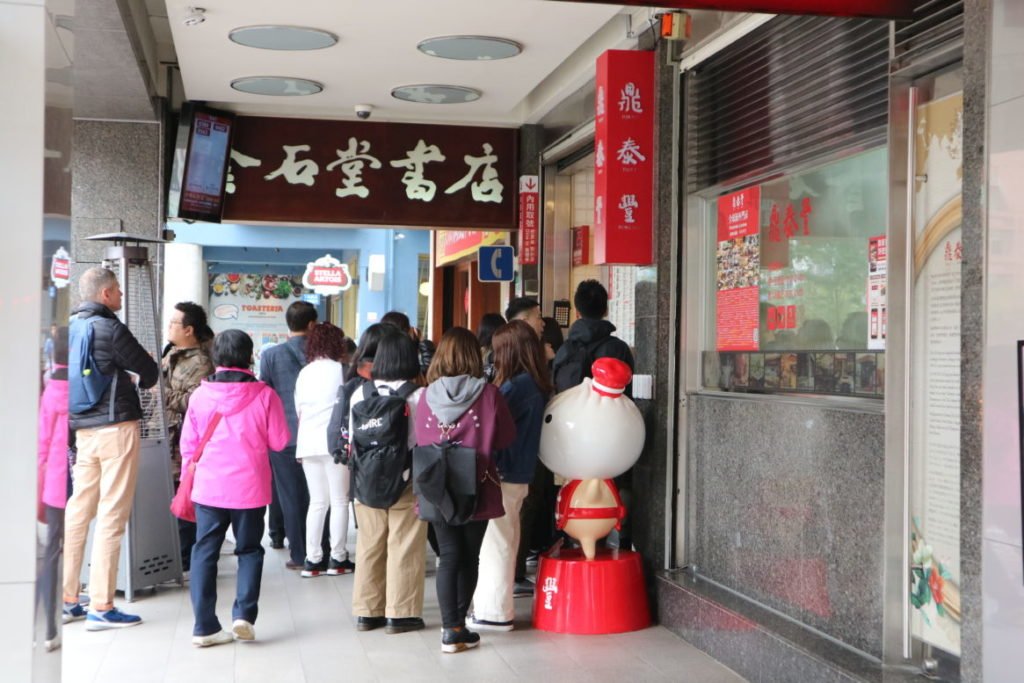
(364, 111)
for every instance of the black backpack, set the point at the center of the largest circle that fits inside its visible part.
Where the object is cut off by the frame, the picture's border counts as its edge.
(571, 371)
(380, 445)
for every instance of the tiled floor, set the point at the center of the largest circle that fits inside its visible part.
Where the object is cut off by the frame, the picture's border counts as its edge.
(306, 634)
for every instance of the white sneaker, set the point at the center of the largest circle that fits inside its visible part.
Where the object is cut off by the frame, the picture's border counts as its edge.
(219, 638)
(484, 625)
(52, 644)
(243, 630)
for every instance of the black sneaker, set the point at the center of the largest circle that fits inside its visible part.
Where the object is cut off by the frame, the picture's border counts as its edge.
(277, 543)
(523, 589)
(369, 623)
(313, 569)
(335, 568)
(458, 640)
(404, 625)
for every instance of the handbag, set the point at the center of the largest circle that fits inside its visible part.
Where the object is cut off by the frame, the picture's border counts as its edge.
(182, 506)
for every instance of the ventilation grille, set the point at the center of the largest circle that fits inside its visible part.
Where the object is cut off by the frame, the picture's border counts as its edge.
(937, 26)
(797, 89)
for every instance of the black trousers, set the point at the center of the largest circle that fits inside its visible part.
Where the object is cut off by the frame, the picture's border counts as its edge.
(276, 520)
(459, 568)
(536, 517)
(293, 495)
(49, 583)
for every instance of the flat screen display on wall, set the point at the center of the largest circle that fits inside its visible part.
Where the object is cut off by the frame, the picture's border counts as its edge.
(201, 154)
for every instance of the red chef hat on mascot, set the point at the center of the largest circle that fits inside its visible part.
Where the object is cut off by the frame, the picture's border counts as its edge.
(610, 376)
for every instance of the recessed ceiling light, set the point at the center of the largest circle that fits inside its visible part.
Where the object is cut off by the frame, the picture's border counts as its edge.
(470, 47)
(278, 86)
(436, 94)
(283, 37)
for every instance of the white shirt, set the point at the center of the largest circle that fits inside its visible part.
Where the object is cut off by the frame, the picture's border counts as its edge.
(316, 390)
(412, 401)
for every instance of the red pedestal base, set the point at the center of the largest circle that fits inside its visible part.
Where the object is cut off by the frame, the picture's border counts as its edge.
(605, 595)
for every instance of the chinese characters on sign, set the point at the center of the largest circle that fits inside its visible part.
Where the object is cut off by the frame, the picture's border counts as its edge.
(790, 227)
(624, 158)
(378, 173)
(581, 245)
(878, 314)
(738, 273)
(529, 221)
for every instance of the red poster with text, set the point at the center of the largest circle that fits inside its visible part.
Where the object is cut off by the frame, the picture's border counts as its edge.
(529, 220)
(623, 229)
(738, 270)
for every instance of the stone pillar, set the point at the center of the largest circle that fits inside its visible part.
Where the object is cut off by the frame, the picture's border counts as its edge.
(531, 143)
(116, 175)
(657, 331)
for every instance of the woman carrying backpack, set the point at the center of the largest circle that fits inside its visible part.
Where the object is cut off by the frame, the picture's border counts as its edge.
(459, 406)
(522, 375)
(240, 419)
(390, 547)
(316, 390)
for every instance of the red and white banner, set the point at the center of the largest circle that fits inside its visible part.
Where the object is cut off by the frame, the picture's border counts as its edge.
(738, 271)
(624, 158)
(581, 245)
(60, 268)
(529, 220)
(327, 276)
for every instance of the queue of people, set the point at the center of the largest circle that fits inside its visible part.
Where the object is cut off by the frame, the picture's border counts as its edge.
(321, 426)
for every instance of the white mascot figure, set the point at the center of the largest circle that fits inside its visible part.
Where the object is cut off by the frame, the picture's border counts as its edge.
(591, 434)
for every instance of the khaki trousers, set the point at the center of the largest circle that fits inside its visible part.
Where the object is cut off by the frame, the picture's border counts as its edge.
(492, 600)
(105, 474)
(391, 551)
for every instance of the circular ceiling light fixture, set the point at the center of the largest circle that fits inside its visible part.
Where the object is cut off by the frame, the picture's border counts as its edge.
(436, 94)
(275, 37)
(470, 48)
(277, 86)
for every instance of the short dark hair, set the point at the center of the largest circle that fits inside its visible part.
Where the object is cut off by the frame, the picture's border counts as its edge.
(397, 319)
(488, 324)
(60, 345)
(299, 315)
(232, 349)
(520, 305)
(396, 357)
(591, 300)
(324, 341)
(193, 315)
(552, 334)
(367, 349)
(348, 346)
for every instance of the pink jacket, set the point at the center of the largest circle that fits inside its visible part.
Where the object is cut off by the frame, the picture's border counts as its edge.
(234, 470)
(53, 443)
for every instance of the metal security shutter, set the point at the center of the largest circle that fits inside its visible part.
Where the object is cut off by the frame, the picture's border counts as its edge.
(934, 36)
(797, 89)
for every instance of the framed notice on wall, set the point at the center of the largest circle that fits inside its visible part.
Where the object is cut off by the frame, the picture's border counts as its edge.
(738, 270)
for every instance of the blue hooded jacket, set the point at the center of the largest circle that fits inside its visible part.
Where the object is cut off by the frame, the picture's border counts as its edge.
(526, 402)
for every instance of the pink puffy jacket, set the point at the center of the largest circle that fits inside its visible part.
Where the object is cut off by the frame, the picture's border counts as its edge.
(234, 470)
(53, 443)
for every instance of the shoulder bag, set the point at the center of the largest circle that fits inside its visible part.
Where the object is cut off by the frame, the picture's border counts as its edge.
(182, 506)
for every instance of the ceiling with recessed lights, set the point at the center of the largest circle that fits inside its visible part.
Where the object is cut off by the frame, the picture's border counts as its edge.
(397, 55)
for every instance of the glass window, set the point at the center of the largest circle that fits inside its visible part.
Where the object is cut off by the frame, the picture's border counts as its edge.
(797, 281)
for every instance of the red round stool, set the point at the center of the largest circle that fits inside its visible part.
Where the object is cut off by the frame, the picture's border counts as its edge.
(605, 595)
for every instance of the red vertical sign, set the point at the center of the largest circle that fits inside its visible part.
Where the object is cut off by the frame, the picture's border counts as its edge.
(624, 158)
(581, 245)
(738, 270)
(529, 221)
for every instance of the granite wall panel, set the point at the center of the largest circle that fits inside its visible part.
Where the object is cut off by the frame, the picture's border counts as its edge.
(789, 510)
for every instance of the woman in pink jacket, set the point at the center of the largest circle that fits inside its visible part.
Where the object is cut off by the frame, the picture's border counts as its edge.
(241, 418)
(53, 479)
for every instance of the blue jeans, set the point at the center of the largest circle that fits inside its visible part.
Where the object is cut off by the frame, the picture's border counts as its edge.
(211, 526)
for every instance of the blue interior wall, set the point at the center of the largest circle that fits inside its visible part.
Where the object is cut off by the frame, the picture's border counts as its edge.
(286, 250)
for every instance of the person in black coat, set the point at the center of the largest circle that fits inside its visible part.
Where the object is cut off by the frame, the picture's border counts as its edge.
(108, 437)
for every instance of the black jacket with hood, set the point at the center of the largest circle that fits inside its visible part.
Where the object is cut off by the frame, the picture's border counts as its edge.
(115, 349)
(594, 338)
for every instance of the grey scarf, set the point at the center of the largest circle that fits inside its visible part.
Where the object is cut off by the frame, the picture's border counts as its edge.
(451, 397)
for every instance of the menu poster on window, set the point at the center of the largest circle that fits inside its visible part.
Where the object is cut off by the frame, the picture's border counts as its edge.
(622, 302)
(738, 270)
(878, 314)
